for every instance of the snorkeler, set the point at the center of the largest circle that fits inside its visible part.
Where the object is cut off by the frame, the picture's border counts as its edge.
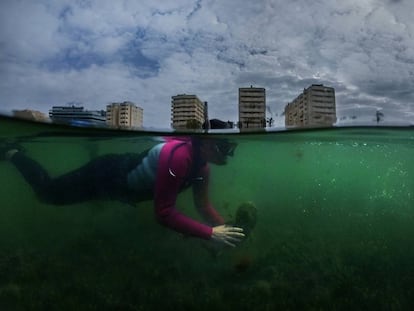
(159, 173)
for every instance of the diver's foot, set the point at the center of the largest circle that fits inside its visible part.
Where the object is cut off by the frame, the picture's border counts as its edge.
(8, 150)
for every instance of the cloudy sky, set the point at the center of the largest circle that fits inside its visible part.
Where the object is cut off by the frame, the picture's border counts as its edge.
(94, 52)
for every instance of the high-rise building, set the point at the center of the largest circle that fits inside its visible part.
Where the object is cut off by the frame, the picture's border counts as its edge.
(252, 107)
(185, 108)
(77, 115)
(124, 115)
(314, 107)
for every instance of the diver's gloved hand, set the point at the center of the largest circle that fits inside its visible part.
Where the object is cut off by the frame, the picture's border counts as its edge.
(228, 235)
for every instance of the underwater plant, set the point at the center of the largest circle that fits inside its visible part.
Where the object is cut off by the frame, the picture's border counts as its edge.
(246, 217)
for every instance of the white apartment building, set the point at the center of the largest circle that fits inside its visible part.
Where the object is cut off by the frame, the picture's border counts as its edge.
(186, 108)
(314, 107)
(124, 115)
(77, 115)
(252, 107)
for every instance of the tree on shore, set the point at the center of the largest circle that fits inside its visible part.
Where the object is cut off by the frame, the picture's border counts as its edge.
(193, 124)
(379, 116)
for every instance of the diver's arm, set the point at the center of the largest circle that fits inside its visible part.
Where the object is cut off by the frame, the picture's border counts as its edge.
(167, 186)
(225, 234)
(202, 201)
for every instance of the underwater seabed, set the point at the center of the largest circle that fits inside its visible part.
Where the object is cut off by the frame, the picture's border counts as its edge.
(334, 229)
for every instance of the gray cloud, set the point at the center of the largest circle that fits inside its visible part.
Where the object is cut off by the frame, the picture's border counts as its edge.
(96, 52)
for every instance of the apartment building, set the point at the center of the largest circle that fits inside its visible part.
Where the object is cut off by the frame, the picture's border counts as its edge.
(186, 108)
(314, 107)
(77, 115)
(124, 115)
(252, 107)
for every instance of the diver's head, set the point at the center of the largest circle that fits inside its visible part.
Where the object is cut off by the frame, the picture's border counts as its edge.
(216, 150)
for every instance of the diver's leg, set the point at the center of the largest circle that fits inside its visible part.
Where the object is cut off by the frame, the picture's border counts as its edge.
(33, 172)
(79, 185)
(102, 178)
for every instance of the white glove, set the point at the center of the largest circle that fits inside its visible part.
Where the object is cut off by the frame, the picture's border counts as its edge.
(227, 234)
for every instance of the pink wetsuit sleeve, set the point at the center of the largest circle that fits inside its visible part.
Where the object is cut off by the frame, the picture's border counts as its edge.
(171, 173)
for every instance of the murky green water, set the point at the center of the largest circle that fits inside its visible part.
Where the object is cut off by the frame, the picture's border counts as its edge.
(335, 228)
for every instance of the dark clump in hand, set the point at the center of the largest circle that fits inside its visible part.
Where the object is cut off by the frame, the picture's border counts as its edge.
(246, 217)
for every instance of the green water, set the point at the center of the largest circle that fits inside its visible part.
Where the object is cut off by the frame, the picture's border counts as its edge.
(335, 228)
